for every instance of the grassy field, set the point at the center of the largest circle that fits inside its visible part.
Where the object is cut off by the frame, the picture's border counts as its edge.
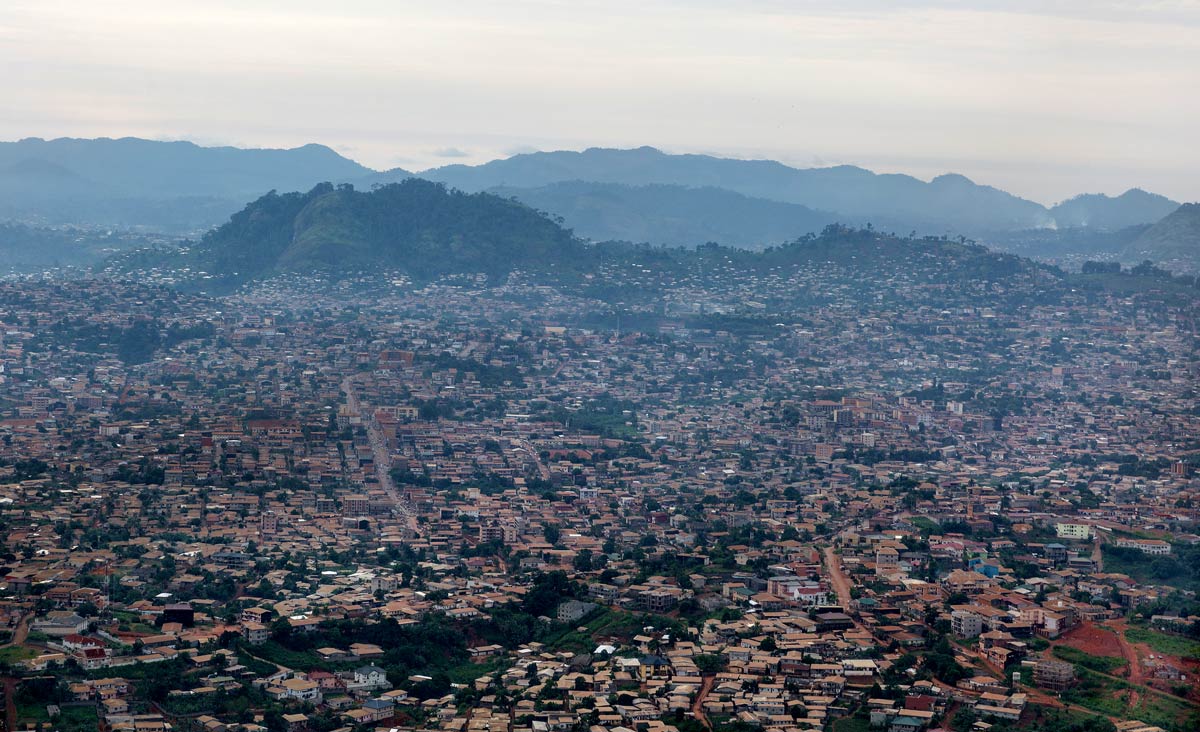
(69, 719)
(1164, 643)
(852, 723)
(468, 672)
(602, 624)
(276, 653)
(13, 654)
(1103, 664)
(1113, 697)
(1044, 717)
(926, 524)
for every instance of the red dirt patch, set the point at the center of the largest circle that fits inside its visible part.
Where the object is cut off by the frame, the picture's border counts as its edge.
(1092, 639)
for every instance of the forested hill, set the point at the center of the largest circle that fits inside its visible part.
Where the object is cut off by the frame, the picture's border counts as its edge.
(426, 231)
(415, 226)
(1173, 242)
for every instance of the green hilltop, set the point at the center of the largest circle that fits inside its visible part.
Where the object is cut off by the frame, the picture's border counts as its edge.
(414, 225)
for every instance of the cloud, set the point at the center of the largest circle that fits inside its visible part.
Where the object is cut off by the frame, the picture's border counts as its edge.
(1043, 97)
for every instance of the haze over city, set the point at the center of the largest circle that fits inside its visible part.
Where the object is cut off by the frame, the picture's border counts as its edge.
(545, 366)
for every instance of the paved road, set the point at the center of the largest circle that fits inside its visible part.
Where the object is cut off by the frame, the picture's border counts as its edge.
(537, 459)
(382, 456)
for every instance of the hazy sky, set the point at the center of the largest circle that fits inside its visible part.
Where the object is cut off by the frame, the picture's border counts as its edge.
(1045, 99)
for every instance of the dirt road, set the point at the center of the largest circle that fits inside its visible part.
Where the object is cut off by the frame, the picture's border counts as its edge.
(698, 704)
(837, 577)
(21, 632)
(1135, 672)
(10, 703)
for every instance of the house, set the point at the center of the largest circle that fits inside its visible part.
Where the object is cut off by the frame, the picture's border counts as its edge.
(255, 633)
(1146, 546)
(478, 653)
(295, 722)
(572, 610)
(299, 689)
(371, 677)
(858, 667)
(966, 624)
(255, 615)
(365, 650)
(60, 623)
(76, 642)
(910, 720)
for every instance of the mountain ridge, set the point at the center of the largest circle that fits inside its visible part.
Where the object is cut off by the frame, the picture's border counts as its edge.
(134, 182)
(182, 187)
(1173, 242)
(1112, 213)
(894, 199)
(671, 215)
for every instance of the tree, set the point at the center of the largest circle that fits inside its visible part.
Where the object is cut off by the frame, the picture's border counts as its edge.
(547, 591)
(583, 561)
(709, 663)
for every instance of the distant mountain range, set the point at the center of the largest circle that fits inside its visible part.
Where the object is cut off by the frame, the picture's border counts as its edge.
(947, 204)
(671, 215)
(639, 195)
(172, 186)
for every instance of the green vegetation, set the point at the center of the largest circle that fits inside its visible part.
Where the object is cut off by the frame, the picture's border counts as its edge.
(276, 653)
(1168, 645)
(468, 672)
(604, 622)
(1103, 664)
(1051, 719)
(605, 417)
(69, 719)
(1112, 696)
(133, 344)
(33, 249)
(926, 525)
(1180, 569)
(941, 663)
(415, 225)
(13, 654)
(853, 723)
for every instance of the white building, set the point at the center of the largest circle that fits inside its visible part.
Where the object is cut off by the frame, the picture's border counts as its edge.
(1073, 531)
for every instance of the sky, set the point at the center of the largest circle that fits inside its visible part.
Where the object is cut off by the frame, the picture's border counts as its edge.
(1044, 99)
